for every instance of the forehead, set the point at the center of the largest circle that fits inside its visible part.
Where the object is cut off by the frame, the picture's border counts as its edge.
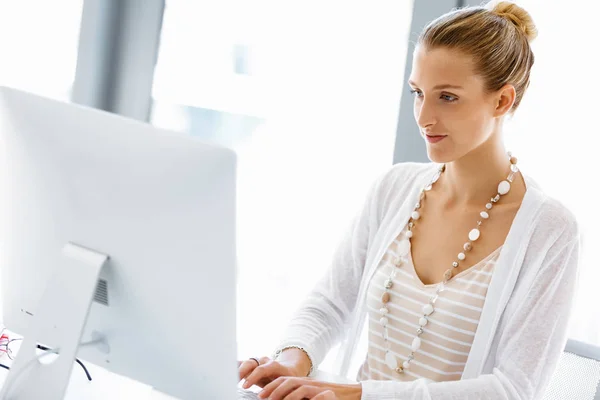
(442, 66)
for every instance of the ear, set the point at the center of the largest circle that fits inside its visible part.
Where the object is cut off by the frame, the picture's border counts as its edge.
(504, 100)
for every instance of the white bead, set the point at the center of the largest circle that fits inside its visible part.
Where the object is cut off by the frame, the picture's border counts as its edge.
(484, 215)
(405, 365)
(385, 334)
(504, 187)
(403, 248)
(390, 360)
(416, 344)
(422, 321)
(514, 168)
(409, 234)
(384, 311)
(488, 206)
(427, 309)
(415, 215)
(474, 235)
(384, 321)
(440, 288)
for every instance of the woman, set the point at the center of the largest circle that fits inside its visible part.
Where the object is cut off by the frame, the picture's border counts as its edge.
(462, 270)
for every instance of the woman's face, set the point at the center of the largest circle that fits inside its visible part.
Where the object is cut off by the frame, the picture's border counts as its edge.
(454, 113)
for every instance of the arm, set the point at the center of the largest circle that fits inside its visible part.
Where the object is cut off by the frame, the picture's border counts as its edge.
(529, 345)
(320, 320)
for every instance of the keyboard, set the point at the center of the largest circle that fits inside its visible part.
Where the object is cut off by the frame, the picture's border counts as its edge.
(245, 394)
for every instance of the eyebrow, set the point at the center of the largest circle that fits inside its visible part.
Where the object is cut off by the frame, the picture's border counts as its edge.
(442, 86)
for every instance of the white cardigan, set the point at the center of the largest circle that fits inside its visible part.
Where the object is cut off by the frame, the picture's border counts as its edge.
(523, 325)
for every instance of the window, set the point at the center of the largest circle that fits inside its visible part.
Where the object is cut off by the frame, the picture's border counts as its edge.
(308, 96)
(39, 45)
(557, 133)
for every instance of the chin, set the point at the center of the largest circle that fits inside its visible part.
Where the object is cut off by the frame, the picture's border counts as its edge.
(439, 156)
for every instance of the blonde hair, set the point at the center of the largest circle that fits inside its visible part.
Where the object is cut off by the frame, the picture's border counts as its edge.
(496, 35)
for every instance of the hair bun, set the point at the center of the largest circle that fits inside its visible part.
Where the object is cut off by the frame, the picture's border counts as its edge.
(518, 16)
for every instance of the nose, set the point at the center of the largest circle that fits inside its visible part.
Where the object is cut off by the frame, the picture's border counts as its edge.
(425, 114)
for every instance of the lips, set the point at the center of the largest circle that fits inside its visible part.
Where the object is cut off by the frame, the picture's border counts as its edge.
(434, 138)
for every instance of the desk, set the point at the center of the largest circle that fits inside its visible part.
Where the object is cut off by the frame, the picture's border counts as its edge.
(107, 385)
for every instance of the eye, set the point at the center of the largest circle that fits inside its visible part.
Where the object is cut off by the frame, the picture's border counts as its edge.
(449, 98)
(416, 92)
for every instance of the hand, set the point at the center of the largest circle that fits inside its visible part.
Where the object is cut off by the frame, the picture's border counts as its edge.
(268, 371)
(294, 388)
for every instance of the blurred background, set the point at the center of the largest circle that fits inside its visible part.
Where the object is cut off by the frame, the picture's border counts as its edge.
(312, 97)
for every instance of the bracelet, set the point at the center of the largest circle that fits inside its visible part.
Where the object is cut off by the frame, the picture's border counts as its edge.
(278, 353)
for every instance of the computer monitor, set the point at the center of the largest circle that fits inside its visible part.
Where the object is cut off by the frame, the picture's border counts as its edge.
(117, 233)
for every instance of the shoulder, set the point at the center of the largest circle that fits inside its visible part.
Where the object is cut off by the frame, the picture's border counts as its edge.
(555, 222)
(396, 182)
(555, 212)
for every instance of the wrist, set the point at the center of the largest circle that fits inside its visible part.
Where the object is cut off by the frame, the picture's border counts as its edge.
(348, 391)
(357, 394)
(298, 358)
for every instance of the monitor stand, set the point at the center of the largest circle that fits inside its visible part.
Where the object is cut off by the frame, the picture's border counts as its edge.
(61, 317)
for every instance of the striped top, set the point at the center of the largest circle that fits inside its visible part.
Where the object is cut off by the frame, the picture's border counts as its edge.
(449, 333)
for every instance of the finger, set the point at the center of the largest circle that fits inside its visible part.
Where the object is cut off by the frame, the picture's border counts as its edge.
(246, 368)
(326, 395)
(259, 373)
(264, 382)
(268, 389)
(264, 360)
(286, 387)
(304, 392)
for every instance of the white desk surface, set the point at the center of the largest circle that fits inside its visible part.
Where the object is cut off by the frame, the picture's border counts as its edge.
(107, 385)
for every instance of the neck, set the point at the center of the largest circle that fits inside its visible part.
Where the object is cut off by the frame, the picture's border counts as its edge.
(473, 179)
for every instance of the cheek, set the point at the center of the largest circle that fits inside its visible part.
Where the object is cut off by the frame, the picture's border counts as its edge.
(478, 120)
(464, 115)
(461, 121)
(473, 126)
